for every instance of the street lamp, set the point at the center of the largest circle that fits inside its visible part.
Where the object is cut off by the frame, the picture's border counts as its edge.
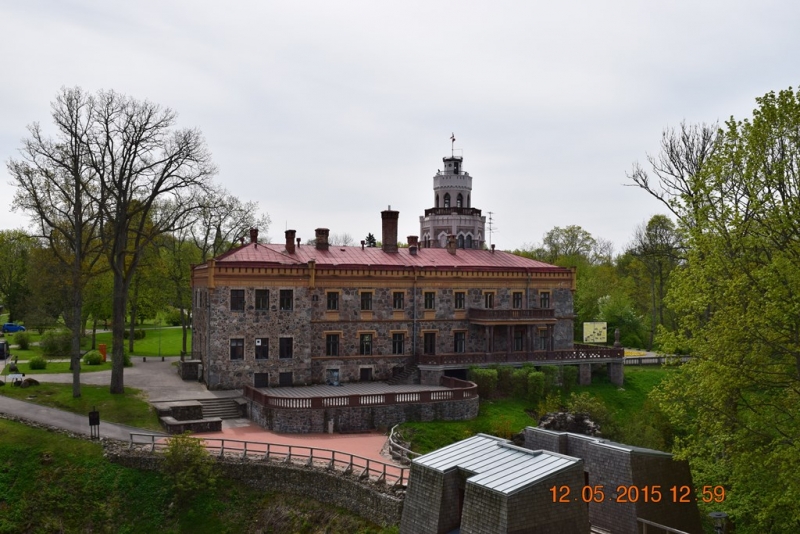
(719, 521)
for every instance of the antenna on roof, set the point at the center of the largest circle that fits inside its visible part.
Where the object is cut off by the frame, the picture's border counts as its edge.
(492, 227)
(452, 144)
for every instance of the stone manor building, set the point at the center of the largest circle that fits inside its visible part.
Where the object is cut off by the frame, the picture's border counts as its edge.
(290, 314)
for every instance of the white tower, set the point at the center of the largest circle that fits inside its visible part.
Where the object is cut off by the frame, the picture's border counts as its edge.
(452, 212)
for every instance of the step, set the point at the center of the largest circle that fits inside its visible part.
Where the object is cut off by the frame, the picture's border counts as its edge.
(221, 408)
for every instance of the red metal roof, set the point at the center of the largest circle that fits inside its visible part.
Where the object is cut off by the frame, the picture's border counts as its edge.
(273, 254)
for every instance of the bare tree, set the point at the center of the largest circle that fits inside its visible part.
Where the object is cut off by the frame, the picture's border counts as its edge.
(149, 175)
(341, 240)
(56, 186)
(677, 169)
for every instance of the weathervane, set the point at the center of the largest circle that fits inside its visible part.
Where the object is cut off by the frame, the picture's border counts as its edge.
(452, 144)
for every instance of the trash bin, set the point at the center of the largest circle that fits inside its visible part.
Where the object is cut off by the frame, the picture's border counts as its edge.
(102, 348)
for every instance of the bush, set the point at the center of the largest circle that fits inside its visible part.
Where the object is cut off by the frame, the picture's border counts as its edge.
(519, 383)
(137, 334)
(535, 387)
(189, 467)
(551, 378)
(504, 385)
(23, 339)
(56, 343)
(569, 377)
(173, 317)
(37, 362)
(93, 357)
(485, 379)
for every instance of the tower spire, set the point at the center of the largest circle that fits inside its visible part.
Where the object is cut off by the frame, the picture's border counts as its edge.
(452, 143)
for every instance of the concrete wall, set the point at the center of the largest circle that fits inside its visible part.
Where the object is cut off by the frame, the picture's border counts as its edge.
(359, 418)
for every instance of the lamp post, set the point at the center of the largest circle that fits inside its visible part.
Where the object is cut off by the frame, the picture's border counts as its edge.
(719, 521)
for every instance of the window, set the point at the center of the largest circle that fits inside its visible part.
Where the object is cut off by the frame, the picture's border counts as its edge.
(398, 343)
(262, 299)
(366, 301)
(544, 340)
(461, 299)
(261, 380)
(459, 342)
(437, 201)
(332, 345)
(287, 299)
(262, 348)
(519, 339)
(544, 300)
(365, 374)
(459, 201)
(447, 200)
(237, 349)
(365, 344)
(237, 299)
(461, 241)
(517, 300)
(429, 342)
(333, 301)
(398, 300)
(430, 300)
(285, 379)
(469, 241)
(488, 300)
(286, 347)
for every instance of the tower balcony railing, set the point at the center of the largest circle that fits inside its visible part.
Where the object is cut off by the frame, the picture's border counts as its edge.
(452, 211)
(450, 172)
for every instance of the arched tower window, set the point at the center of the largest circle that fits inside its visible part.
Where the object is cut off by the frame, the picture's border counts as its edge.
(461, 240)
(437, 201)
(447, 200)
(459, 201)
(469, 205)
(469, 241)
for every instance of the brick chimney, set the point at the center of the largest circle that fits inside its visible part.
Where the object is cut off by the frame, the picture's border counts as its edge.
(322, 238)
(254, 235)
(451, 244)
(413, 241)
(389, 239)
(290, 241)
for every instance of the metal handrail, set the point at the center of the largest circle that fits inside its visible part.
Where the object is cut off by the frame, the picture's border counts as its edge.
(374, 470)
(670, 530)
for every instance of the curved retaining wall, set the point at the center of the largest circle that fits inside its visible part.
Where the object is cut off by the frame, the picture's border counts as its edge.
(374, 502)
(359, 418)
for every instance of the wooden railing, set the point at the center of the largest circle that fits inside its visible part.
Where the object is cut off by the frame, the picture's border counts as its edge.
(656, 360)
(364, 468)
(478, 314)
(459, 390)
(565, 355)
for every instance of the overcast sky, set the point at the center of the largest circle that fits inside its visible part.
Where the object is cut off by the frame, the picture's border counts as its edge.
(327, 112)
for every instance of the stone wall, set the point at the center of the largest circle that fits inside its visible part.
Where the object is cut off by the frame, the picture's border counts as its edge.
(372, 501)
(360, 418)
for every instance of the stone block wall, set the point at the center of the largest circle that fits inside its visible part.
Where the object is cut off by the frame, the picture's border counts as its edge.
(359, 418)
(533, 510)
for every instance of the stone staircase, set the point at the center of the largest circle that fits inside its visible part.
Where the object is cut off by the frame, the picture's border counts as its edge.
(409, 376)
(221, 408)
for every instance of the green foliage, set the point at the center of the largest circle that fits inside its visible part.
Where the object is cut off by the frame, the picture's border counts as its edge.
(23, 340)
(551, 378)
(137, 334)
(93, 357)
(519, 383)
(504, 373)
(569, 377)
(535, 387)
(551, 403)
(617, 310)
(485, 379)
(37, 363)
(189, 467)
(172, 317)
(56, 343)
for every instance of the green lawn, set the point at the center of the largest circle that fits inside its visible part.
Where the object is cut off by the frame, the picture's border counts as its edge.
(129, 409)
(506, 416)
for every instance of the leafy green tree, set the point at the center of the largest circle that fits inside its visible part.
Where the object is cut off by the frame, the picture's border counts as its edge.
(189, 467)
(371, 241)
(15, 250)
(736, 405)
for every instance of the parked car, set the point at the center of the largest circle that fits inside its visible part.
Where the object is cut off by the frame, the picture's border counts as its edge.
(10, 328)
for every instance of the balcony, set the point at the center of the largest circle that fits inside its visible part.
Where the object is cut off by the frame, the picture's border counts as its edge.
(583, 354)
(452, 211)
(495, 317)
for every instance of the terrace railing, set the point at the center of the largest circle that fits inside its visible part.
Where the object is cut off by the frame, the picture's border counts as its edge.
(458, 390)
(478, 314)
(579, 354)
(346, 463)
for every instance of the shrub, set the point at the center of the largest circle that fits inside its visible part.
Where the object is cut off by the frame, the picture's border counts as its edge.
(56, 343)
(137, 334)
(173, 317)
(23, 339)
(37, 362)
(535, 387)
(569, 377)
(127, 357)
(93, 357)
(504, 385)
(189, 467)
(486, 380)
(519, 383)
(551, 377)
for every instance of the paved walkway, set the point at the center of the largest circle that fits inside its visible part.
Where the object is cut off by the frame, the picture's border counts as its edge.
(160, 381)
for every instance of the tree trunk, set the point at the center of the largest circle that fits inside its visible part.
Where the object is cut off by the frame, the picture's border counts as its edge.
(133, 316)
(75, 360)
(119, 312)
(94, 333)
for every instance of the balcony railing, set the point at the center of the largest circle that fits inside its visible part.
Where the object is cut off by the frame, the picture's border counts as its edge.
(459, 390)
(477, 314)
(452, 211)
(582, 355)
